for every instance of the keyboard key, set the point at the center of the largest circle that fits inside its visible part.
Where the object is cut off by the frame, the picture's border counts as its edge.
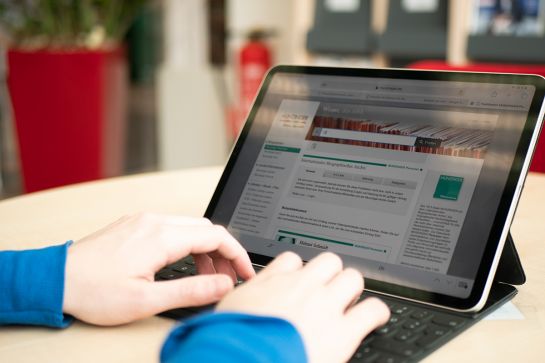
(183, 268)
(157, 277)
(447, 320)
(405, 335)
(388, 358)
(421, 314)
(412, 324)
(394, 319)
(367, 341)
(437, 330)
(426, 340)
(393, 346)
(385, 330)
(365, 354)
(400, 309)
(169, 275)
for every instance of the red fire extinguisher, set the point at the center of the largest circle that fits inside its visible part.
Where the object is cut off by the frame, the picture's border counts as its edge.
(254, 60)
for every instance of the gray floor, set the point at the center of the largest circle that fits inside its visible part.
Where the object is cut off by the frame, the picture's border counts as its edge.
(141, 151)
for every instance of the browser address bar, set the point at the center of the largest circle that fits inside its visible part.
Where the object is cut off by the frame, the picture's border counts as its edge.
(365, 136)
(395, 97)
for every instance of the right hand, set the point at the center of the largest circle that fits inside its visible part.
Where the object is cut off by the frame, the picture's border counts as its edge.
(318, 299)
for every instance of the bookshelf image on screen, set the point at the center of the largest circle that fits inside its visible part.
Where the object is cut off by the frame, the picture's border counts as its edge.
(402, 136)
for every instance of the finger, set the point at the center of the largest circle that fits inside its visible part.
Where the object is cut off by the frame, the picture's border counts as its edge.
(204, 264)
(285, 262)
(345, 287)
(188, 291)
(223, 266)
(183, 240)
(320, 270)
(364, 317)
(183, 220)
(172, 219)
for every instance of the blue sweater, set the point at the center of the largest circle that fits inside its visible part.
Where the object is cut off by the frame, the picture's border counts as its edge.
(32, 289)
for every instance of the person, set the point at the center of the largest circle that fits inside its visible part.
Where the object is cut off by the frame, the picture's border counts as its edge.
(286, 313)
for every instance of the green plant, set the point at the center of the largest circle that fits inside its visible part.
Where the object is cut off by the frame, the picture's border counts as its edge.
(67, 23)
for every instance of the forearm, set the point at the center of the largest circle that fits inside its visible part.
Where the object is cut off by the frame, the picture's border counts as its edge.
(32, 287)
(233, 337)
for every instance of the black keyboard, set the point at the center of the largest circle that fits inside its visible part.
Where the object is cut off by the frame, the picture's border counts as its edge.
(413, 331)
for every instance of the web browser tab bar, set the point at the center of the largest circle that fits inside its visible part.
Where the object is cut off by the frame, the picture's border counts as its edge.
(437, 93)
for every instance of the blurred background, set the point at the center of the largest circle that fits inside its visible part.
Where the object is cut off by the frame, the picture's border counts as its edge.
(91, 89)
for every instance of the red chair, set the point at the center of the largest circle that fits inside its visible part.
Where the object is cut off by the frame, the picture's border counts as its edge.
(538, 162)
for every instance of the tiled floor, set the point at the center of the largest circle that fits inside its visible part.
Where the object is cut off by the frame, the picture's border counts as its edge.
(141, 152)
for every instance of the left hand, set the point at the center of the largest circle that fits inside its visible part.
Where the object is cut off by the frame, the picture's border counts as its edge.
(109, 277)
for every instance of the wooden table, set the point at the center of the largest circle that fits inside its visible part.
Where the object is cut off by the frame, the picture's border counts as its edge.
(54, 216)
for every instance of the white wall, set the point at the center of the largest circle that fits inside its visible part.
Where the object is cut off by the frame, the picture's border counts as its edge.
(191, 126)
(189, 102)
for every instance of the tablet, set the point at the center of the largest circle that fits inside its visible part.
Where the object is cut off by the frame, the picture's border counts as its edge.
(412, 177)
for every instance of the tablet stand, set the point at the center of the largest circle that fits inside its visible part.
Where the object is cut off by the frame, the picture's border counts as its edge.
(508, 273)
(510, 269)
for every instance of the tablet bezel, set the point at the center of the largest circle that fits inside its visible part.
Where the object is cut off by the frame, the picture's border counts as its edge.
(510, 195)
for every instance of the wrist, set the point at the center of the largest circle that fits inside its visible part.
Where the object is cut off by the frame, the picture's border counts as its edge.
(69, 284)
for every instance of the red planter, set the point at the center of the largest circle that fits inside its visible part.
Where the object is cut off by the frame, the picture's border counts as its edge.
(70, 114)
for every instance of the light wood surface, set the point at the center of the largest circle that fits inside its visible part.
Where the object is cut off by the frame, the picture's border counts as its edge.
(54, 216)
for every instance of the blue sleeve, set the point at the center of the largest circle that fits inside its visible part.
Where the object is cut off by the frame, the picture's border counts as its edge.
(32, 287)
(234, 337)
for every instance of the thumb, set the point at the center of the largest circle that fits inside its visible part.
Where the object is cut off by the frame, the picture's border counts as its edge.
(189, 291)
(365, 317)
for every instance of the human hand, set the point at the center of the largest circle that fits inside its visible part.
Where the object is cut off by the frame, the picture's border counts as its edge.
(109, 277)
(318, 299)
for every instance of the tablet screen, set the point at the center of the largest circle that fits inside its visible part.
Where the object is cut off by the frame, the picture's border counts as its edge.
(402, 178)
